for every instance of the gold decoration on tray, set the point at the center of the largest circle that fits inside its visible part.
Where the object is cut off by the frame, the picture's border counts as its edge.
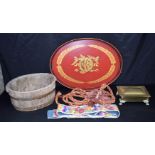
(133, 94)
(63, 74)
(86, 63)
(107, 52)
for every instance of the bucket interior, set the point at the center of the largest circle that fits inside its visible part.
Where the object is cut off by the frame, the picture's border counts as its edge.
(31, 82)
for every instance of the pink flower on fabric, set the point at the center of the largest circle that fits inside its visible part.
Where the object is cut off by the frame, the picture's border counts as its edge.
(81, 110)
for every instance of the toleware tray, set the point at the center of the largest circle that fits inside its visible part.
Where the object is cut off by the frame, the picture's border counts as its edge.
(86, 63)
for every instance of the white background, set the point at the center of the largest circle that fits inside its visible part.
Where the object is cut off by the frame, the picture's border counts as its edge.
(77, 16)
(87, 16)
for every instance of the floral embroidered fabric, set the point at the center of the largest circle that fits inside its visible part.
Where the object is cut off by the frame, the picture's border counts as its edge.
(84, 111)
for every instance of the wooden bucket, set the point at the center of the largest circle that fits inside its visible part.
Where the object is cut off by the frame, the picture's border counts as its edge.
(32, 91)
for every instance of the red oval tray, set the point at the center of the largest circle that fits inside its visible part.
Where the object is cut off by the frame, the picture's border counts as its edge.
(86, 63)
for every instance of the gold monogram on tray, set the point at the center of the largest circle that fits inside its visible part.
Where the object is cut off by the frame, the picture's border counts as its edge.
(86, 63)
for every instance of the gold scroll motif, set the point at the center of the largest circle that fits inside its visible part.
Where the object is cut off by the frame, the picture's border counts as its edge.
(107, 52)
(62, 73)
(59, 61)
(86, 63)
(112, 68)
(68, 50)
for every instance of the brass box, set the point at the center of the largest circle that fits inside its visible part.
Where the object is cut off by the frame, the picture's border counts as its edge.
(133, 94)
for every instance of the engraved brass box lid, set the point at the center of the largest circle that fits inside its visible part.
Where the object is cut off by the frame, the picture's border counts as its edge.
(133, 92)
(86, 63)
